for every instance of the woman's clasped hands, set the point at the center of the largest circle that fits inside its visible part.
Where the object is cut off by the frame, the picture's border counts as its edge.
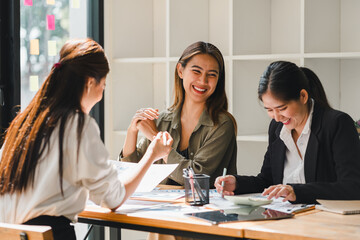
(143, 121)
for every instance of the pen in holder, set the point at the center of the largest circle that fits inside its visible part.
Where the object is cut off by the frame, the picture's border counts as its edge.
(196, 188)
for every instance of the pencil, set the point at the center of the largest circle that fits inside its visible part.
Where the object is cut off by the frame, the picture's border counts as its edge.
(223, 182)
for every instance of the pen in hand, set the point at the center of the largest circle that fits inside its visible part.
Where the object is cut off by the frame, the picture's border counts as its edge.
(223, 183)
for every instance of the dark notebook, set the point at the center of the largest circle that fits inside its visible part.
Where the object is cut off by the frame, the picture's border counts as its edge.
(240, 214)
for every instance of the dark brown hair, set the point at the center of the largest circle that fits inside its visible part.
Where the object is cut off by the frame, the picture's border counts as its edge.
(58, 99)
(285, 80)
(217, 103)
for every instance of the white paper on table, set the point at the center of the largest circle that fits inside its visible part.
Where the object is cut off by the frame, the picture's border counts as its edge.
(277, 204)
(286, 206)
(168, 211)
(160, 195)
(168, 194)
(218, 202)
(130, 206)
(155, 174)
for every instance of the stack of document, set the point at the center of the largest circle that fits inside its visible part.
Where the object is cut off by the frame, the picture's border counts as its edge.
(160, 195)
(339, 206)
(254, 199)
(168, 195)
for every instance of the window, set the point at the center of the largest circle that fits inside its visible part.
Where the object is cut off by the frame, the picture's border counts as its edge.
(45, 25)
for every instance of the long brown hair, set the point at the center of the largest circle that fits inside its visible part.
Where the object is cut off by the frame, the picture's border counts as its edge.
(217, 103)
(58, 99)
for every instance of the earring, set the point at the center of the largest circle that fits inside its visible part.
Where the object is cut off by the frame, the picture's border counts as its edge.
(88, 91)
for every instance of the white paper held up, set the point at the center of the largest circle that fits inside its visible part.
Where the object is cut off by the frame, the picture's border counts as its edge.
(155, 174)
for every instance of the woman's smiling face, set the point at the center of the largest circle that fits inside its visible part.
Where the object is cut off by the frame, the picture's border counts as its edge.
(200, 77)
(293, 114)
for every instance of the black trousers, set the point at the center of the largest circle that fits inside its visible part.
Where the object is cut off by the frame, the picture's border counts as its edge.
(61, 227)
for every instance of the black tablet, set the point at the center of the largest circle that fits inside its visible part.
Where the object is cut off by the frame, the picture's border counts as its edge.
(240, 214)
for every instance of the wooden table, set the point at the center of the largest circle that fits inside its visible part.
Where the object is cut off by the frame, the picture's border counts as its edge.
(316, 225)
(312, 225)
(186, 226)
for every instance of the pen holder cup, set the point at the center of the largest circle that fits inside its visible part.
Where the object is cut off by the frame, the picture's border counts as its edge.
(197, 189)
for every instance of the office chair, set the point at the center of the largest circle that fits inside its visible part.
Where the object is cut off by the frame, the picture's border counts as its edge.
(24, 232)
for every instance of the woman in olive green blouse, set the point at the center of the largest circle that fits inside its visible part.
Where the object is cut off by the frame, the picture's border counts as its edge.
(204, 132)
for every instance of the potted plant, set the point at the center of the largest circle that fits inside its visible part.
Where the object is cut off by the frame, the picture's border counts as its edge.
(357, 125)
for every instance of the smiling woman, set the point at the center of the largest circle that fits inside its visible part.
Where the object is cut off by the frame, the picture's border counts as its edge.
(200, 77)
(313, 150)
(203, 130)
(293, 114)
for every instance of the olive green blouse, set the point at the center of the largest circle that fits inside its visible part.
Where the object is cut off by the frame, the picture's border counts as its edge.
(211, 148)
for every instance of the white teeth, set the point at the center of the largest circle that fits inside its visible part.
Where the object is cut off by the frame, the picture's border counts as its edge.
(286, 121)
(199, 89)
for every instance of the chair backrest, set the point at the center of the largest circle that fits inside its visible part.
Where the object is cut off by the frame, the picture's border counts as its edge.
(24, 232)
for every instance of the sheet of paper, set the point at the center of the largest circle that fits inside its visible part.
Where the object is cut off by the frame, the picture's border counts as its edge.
(287, 206)
(75, 3)
(34, 47)
(52, 48)
(159, 195)
(168, 211)
(34, 83)
(218, 202)
(28, 2)
(277, 204)
(50, 22)
(130, 206)
(168, 195)
(155, 174)
(50, 2)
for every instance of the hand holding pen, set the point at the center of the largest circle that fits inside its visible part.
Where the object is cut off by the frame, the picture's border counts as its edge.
(223, 183)
(229, 185)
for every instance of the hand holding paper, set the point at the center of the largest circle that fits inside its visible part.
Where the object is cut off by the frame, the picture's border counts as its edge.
(155, 174)
(160, 146)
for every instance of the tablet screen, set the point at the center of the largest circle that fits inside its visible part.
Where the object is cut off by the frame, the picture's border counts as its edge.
(240, 214)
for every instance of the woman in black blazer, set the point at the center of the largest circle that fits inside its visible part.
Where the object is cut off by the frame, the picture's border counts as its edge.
(313, 151)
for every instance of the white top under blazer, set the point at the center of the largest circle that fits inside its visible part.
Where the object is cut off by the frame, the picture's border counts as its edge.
(90, 176)
(294, 164)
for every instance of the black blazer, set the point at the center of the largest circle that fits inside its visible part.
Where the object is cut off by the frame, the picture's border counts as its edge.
(332, 160)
